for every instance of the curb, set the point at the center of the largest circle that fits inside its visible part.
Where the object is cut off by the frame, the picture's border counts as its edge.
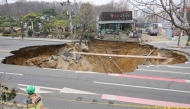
(31, 39)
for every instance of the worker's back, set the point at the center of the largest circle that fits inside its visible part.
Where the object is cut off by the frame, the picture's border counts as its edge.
(34, 102)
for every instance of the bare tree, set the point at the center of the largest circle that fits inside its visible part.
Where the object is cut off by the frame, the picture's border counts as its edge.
(168, 10)
(122, 5)
(86, 16)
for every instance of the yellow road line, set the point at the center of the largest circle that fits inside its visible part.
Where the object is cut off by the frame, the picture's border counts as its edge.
(106, 103)
(18, 105)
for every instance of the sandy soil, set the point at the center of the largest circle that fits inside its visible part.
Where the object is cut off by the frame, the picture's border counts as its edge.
(41, 56)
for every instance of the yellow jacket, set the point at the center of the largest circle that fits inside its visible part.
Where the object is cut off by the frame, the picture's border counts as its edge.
(34, 102)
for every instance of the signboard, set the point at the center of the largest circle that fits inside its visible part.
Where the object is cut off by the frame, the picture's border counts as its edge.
(123, 15)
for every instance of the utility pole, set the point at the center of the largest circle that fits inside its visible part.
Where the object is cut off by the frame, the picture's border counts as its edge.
(70, 17)
(10, 19)
(68, 3)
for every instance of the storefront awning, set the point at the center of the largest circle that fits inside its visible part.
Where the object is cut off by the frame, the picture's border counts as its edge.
(121, 21)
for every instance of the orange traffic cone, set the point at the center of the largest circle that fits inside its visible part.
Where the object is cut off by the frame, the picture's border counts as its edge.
(180, 46)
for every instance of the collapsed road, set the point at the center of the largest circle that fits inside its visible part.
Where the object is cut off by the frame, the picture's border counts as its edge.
(63, 57)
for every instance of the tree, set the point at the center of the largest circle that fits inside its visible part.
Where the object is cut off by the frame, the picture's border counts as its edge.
(49, 12)
(122, 5)
(30, 17)
(168, 10)
(86, 16)
(60, 24)
(6, 95)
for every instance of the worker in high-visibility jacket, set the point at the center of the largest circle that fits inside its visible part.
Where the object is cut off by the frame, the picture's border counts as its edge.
(34, 100)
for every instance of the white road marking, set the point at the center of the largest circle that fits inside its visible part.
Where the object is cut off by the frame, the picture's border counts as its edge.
(64, 90)
(176, 66)
(142, 87)
(170, 66)
(5, 50)
(154, 65)
(11, 73)
(113, 74)
(183, 73)
(37, 90)
(187, 81)
(88, 72)
(51, 69)
(40, 87)
(74, 91)
(57, 69)
(186, 62)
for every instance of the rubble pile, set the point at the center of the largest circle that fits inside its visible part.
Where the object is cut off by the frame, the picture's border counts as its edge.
(61, 60)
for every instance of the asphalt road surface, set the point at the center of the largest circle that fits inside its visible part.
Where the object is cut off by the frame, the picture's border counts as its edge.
(148, 87)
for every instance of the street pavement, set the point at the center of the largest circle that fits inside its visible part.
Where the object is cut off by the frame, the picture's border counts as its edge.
(147, 87)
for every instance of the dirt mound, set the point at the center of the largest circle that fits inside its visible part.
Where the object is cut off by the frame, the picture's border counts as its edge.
(61, 56)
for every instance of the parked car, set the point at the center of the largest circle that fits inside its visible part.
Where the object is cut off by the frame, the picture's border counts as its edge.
(153, 32)
(153, 29)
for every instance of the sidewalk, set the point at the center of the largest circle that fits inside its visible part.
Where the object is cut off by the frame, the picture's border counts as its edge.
(121, 37)
(36, 39)
(158, 38)
(182, 43)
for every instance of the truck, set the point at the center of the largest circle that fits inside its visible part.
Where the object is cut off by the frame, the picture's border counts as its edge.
(153, 29)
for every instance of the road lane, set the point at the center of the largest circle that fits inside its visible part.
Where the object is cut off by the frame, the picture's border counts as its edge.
(150, 78)
(141, 87)
(183, 74)
(89, 86)
(145, 101)
(6, 73)
(93, 77)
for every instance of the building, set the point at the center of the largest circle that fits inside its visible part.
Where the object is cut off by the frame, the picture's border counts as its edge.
(122, 20)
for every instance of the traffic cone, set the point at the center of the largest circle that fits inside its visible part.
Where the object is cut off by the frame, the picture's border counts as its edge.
(180, 46)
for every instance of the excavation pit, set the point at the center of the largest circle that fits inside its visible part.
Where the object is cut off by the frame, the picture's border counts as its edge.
(62, 56)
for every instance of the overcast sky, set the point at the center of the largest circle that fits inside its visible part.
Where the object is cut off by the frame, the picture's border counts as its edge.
(97, 2)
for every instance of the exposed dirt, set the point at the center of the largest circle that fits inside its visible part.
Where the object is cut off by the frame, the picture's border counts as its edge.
(41, 56)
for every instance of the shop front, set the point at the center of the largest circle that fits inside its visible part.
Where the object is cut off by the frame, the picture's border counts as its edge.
(116, 21)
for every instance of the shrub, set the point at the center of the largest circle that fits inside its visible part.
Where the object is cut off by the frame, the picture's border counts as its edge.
(1, 30)
(30, 33)
(18, 34)
(92, 35)
(79, 33)
(67, 34)
(79, 28)
(89, 35)
(6, 33)
(45, 32)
